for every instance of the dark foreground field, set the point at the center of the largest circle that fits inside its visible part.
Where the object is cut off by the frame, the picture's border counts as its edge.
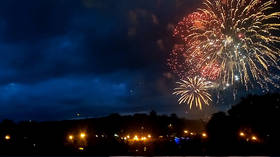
(249, 128)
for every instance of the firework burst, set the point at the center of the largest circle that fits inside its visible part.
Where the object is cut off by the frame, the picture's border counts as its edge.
(228, 42)
(238, 35)
(194, 91)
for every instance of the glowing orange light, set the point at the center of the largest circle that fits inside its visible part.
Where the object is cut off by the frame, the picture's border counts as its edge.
(70, 137)
(7, 137)
(136, 138)
(204, 135)
(254, 138)
(242, 134)
(144, 138)
(82, 135)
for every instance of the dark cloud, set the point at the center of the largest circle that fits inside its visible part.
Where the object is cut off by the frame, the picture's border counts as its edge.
(32, 20)
(59, 57)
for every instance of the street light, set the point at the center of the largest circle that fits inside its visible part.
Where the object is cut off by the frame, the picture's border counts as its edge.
(7, 137)
(254, 138)
(242, 134)
(82, 135)
(170, 126)
(204, 135)
(70, 137)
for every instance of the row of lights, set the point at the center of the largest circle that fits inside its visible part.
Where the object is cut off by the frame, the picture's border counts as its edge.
(242, 134)
(203, 134)
(82, 136)
(135, 138)
(144, 138)
(248, 137)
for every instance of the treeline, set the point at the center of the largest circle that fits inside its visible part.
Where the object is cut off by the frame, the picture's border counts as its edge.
(254, 116)
(51, 137)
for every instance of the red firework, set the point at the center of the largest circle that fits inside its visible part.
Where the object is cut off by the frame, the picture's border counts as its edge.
(186, 58)
(184, 27)
(211, 71)
(179, 62)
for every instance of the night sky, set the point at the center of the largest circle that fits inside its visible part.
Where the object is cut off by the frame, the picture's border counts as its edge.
(93, 57)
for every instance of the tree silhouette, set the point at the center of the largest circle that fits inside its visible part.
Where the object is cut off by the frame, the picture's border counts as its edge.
(259, 114)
